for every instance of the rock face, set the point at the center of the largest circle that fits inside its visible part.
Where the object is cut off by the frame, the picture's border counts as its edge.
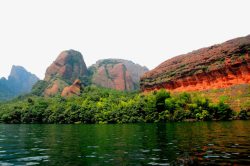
(20, 81)
(68, 74)
(63, 72)
(74, 89)
(69, 66)
(117, 74)
(218, 66)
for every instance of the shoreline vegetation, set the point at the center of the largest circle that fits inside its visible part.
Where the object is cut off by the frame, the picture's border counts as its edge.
(98, 105)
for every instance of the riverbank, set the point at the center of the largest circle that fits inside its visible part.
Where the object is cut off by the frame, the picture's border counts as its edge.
(100, 105)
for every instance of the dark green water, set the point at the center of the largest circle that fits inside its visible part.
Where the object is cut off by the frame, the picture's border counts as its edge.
(129, 144)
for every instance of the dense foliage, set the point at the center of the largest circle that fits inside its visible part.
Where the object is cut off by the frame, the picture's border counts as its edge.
(100, 105)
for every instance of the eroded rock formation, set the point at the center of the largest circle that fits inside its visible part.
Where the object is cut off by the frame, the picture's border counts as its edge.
(61, 74)
(74, 89)
(218, 66)
(69, 66)
(117, 74)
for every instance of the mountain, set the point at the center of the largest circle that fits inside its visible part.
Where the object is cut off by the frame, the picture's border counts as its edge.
(213, 67)
(68, 74)
(117, 74)
(20, 81)
(220, 66)
(68, 67)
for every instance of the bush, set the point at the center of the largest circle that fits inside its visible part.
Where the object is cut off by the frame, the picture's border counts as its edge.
(161, 96)
(100, 105)
(244, 114)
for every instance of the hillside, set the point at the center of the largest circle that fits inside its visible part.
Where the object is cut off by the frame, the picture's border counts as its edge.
(214, 67)
(219, 67)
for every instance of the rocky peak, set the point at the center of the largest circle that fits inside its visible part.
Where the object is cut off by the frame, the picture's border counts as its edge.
(20, 81)
(68, 66)
(20, 73)
(17, 70)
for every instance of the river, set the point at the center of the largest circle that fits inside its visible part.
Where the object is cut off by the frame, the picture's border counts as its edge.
(215, 143)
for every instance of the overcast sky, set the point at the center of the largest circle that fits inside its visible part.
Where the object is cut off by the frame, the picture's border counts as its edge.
(148, 32)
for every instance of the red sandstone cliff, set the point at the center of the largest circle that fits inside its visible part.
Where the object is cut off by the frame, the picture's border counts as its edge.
(117, 74)
(214, 67)
(68, 67)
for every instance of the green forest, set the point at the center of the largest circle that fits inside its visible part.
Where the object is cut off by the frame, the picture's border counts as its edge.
(101, 105)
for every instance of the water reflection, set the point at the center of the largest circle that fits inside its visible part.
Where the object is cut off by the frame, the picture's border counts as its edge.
(220, 143)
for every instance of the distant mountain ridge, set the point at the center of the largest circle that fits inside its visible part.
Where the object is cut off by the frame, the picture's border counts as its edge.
(20, 81)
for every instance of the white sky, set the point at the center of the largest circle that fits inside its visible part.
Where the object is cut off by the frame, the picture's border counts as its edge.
(148, 32)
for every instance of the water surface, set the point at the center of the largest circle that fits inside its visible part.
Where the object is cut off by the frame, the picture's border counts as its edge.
(217, 143)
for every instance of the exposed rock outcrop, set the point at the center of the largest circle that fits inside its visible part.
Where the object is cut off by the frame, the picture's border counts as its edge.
(218, 66)
(68, 74)
(74, 89)
(20, 81)
(117, 74)
(68, 67)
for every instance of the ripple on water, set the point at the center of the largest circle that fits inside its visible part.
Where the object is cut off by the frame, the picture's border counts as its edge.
(22, 153)
(236, 153)
(155, 159)
(145, 150)
(32, 163)
(93, 147)
(211, 156)
(90, 156)
(156, 150)
(154, 163)
(163, 164)
(35, 158)
(39, 149)
(209, 151)
(226, 157)
(6, 164)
